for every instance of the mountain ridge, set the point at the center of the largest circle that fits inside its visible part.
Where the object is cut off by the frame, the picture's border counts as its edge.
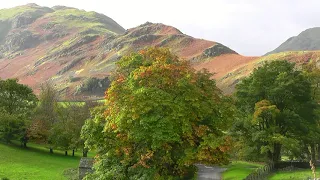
(77, 50)
(307, 40)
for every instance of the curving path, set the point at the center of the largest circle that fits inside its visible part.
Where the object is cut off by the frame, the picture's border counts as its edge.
(209, 173)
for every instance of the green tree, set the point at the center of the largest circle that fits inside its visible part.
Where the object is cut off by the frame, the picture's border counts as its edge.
(92, 130)
(312, 72)
(162, 117)
(276, 99)
(77, 140)
(11, 127)
(58, 125)
(60, 133)
(59, 137)
(45, 115)
(16, 105)
(16, 98)
(72, 117)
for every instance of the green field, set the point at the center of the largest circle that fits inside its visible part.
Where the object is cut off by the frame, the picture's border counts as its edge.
(34, 163)
(37, 163)
(239, 170)
(294, 175)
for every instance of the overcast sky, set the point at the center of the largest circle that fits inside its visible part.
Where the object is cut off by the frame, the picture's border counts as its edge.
(250, 27)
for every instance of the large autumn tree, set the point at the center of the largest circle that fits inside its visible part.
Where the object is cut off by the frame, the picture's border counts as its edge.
(278, 109)
(162, 117)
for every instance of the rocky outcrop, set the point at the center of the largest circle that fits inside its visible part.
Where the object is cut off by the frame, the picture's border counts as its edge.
(20, 40)
(5, 27)
(151, 28)
(217, 50)
(148, 38)
(70, 65)
(29, 17)
(93, 85)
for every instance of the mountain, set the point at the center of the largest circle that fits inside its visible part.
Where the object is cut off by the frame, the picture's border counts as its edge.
(77, 50)
(228, 81)
(298, 49)
(307, 40)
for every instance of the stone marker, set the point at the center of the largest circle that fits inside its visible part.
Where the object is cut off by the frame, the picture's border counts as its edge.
(85, 167)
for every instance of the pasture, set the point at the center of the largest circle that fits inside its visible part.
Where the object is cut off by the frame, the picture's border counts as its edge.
(35, 162)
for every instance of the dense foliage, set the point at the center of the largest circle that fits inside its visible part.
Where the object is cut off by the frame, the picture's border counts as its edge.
(17, 102)
(65, 133)
(278, 111)
(312, 72)
(16, 98)
(45, 114)
(162, 117)
(58, 125)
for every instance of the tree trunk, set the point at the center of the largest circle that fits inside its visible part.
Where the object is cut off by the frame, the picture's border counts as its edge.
(306, 149)
(277, 152)
(24, 141)
(313, 152)
(73, 152)
(275, 156)
(51, 150)
(85, 152)
(319, 152)
(66, 153)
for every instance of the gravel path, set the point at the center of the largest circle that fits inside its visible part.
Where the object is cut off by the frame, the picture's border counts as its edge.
(209, 173)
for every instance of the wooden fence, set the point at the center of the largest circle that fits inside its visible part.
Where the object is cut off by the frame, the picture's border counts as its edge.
(261, 173)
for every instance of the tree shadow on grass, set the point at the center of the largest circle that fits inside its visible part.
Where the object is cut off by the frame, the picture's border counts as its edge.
(39, 150)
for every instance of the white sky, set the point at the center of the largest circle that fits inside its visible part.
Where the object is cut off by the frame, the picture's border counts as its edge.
(250, 27)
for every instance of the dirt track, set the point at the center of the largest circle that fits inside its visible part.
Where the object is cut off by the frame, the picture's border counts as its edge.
(209, 173)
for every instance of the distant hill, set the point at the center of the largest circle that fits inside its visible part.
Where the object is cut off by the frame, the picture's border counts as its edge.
(77, 50)
(228, 81)
(307, 40)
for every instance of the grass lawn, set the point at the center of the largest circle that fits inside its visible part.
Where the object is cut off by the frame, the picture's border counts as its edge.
(294, 175)
(239, 170)
(34, 163)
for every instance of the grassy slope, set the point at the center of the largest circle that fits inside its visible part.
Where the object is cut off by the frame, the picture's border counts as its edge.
(239, 170)
(227, 82)
(292, 175)
(90, 22)
(10, 13)
(34, 163)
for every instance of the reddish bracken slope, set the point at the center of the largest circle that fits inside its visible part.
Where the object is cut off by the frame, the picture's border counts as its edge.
(77, 50)
(223, 64)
